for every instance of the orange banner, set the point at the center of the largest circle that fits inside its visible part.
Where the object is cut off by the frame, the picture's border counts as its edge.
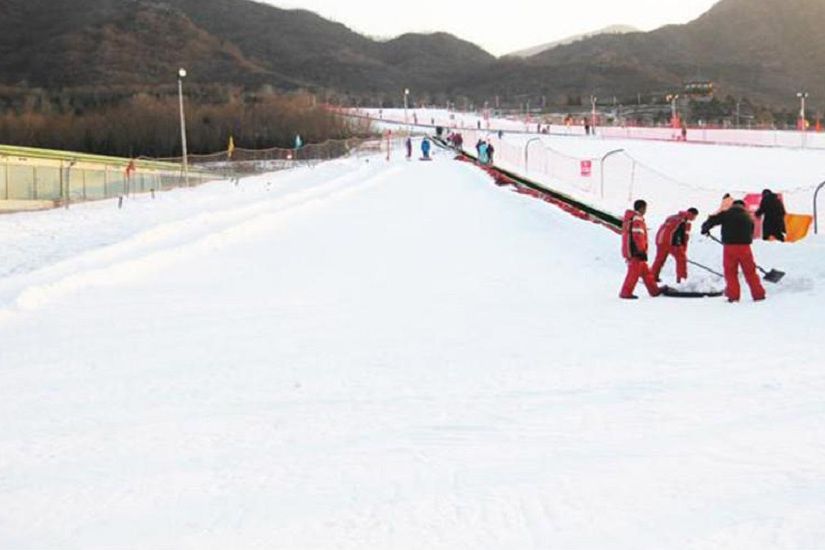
(797, 226)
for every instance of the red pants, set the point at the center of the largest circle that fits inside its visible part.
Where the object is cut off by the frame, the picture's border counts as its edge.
(679, 254)
(736, 256)
(635, 269)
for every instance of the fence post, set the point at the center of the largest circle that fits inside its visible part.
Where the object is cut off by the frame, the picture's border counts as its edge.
(68, 187)
(6, 178)
(526, 153)
(816, 213)
(601, 168)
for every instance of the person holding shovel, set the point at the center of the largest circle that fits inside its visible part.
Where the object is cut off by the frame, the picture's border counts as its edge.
(672, 240)
(737, 237)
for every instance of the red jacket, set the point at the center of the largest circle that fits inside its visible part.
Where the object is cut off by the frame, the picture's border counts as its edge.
(675, 231)
(634, 236)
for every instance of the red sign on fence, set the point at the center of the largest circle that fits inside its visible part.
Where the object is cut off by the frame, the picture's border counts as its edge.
(587, 168)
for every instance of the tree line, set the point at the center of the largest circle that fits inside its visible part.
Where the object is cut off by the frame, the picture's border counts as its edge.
(147, 123)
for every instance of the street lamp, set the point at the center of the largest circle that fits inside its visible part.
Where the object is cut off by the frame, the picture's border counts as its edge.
(802, 97)
(181, 76)
(738, 113)
(803, 122)
(406, 96)
(672, 99)
(593, 100)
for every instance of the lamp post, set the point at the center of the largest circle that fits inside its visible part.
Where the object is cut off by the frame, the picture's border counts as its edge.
(672, 99)
(181, 76)
(802, 119)
(406, 101)
(738, 113)
(593, 100)
(802, 97)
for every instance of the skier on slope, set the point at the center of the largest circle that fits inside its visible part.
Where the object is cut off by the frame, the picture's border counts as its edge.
(634, 250)
(737, 236)
(425, 148)
(483, 158)
(408, 143)
(672, 240)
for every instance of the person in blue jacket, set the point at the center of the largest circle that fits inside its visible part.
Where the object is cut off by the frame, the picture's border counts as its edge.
(483, 153)
(425, 148)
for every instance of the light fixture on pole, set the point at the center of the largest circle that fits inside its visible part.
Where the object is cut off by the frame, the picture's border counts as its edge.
(406, 96)
(803, 120)
(802, 97)
(181, 76)
(593, 100)
(672, 99)
(738, 113)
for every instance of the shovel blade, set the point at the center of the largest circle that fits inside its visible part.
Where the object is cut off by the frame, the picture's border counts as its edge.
(774, 276)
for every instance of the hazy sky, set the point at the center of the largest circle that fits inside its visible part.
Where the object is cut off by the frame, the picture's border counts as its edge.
(502, 26)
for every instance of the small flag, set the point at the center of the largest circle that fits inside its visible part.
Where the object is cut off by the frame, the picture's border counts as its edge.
(231, 148)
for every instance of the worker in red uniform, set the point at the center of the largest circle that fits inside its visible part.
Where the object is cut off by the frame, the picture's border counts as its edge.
(672, 240)
(737, 236)
(634, 250)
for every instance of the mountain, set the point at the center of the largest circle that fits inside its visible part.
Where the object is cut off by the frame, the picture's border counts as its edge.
(535, 50)
(59, 43)
(765, 50)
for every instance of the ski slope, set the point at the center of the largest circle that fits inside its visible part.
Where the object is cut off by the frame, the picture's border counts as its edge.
(393, 355)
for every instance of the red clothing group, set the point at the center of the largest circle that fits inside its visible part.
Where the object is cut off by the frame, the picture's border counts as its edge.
(672, 240)
(634, 250)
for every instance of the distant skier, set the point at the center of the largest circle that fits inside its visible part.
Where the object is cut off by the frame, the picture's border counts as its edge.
(409, 145)
(586, 127)
(298, 141)
(483, 157)
(737, 236)
(634, 250)
(425, 149)
(490, 152)
(672, 240)
(773, 213)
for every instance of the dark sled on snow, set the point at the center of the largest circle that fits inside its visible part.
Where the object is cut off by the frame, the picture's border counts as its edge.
(675, 293)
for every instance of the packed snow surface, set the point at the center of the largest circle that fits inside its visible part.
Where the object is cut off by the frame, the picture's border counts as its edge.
(393, 355)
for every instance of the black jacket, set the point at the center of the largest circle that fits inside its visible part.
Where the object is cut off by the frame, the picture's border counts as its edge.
(737, 225)
(774, 211)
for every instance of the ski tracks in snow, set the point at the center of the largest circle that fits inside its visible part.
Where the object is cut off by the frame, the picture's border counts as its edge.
(174, 241)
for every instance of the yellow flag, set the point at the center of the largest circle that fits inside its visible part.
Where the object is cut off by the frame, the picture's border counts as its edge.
(231, 148)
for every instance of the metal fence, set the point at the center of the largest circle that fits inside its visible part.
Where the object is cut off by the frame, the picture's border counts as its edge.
(58, 177)
(240, 162)
(38, 178)
(615, 178)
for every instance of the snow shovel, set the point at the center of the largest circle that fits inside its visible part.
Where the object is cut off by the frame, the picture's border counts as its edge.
(772, 276)
(706, 268)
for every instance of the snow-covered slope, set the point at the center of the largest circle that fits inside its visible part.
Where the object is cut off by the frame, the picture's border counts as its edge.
(392, 355)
